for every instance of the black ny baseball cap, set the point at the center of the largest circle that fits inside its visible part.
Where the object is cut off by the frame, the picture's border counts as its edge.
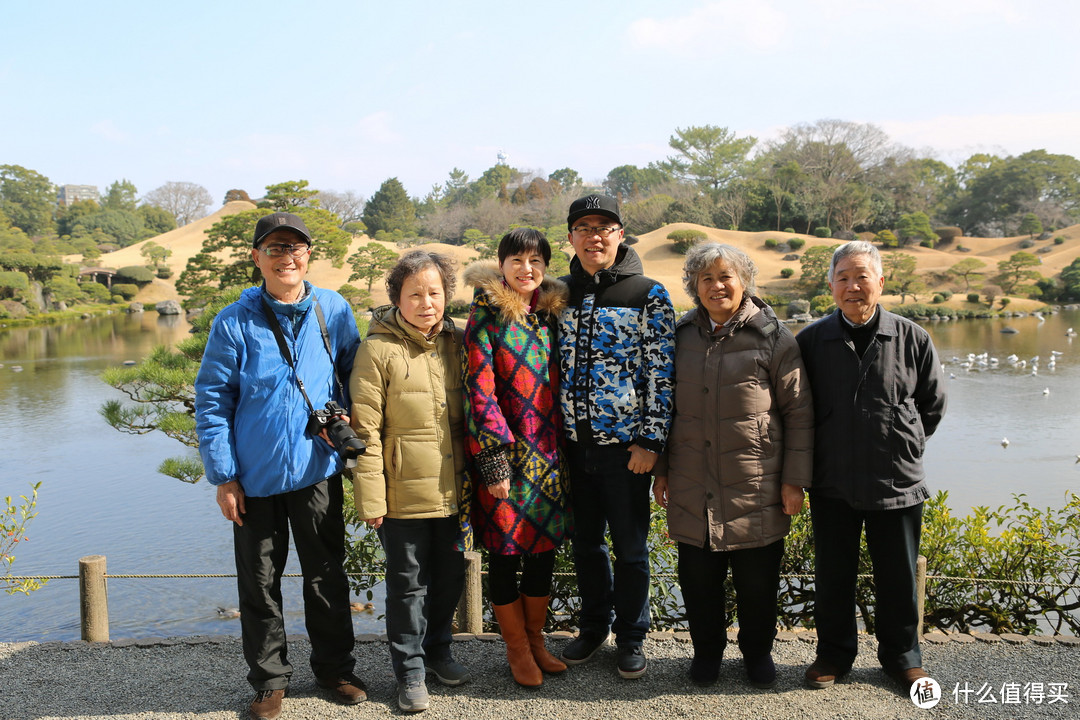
(593, 205)
(279, 220)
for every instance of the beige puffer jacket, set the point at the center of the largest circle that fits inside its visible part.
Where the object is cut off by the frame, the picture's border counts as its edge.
(407, 406)
(743, 425)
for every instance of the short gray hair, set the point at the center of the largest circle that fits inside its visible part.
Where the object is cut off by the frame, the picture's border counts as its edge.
(855, 247)
(416, 261)
(702, 256)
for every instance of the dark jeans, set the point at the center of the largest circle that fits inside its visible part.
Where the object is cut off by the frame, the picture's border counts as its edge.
(755, 573)
(536, 573)
(261, 547)
(607, 496)
(892, 537)
(424, 579)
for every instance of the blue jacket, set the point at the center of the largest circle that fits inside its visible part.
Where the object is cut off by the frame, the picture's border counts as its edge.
(617, 355)
(249, 413)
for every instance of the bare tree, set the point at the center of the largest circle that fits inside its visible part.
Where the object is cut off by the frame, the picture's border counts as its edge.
(186, 201)
(347, 205)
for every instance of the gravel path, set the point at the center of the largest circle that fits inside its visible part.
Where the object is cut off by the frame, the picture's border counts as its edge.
(202, 677)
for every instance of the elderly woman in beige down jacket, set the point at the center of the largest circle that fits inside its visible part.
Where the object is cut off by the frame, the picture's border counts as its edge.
(737, 460)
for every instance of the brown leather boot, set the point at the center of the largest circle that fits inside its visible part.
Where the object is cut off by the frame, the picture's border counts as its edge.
(511, 621)
(535, 616)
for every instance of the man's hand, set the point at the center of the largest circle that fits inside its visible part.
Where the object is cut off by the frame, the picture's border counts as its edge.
(641, 460)
(791, 497)
(322, 433)
(373, 523)
(500, 490)
(230, 498)
(659, 490)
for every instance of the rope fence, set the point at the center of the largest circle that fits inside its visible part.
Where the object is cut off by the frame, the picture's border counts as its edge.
(94, 611)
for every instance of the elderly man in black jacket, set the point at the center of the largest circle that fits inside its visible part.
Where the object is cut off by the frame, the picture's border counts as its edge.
(878, 395)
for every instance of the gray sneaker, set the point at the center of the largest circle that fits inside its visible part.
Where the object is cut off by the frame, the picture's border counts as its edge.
(412, 696)
(449, 671)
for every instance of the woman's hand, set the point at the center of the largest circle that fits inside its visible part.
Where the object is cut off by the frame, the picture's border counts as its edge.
(791, 497)
(500, 490)
(659, 490)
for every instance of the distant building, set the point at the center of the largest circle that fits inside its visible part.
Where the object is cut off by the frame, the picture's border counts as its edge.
(68, 195)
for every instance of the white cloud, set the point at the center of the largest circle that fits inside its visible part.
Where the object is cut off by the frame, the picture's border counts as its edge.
(713, 27)
(107, 130)
(956, 137)
(377, 127)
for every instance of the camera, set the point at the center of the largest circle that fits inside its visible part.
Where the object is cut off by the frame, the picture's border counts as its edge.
(341, 435)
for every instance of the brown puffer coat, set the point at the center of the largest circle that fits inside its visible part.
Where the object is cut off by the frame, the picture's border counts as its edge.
(743, 425)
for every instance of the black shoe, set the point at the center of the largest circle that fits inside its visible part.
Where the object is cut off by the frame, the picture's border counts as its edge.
(704, 671)
(582, 648)
(632, 662)
(761, 671)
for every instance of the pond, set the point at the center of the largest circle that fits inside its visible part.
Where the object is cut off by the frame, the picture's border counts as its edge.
(101, 494)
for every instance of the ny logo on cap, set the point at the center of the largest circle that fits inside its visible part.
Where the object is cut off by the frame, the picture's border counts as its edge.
(592, 202)
(282, 220)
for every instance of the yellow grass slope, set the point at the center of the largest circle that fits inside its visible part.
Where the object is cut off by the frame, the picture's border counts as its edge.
(660, 260)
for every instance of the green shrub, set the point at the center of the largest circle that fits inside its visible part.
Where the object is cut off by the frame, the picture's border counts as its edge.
(822, 232)
(887, 238)
(973, 297)
(937, 299)
(1059, 240)
(786, 272)
(928, 243)
(947, 294)
(13, 283)
(164, 273)
(796, 243)
(770, 243)
(1025, 244)
(790, 231)
(125, 290)
(821, 304)
(685, 239)
(948, 233)
(95, 291)
(134, 274)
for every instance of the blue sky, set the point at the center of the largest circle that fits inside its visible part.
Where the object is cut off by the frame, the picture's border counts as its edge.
(347, 94)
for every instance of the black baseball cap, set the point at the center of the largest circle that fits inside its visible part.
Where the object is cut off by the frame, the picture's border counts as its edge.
(593, 205)
(279, 220)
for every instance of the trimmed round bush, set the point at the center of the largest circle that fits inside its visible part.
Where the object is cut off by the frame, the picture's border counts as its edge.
(821, 304)
(125, 290)
(947, 294)
(770, 243)
(796, 243)
(1059, 240)
(164, 273)
(134, 274)
(937, 299)
(790, 230)
(822, 232)
(1025, 244)
(948, 233)
(685, 239)
(786, 272)
(973, 297)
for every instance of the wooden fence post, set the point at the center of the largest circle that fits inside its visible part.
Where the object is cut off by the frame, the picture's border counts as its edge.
(920, 589)
(93, 599)
(470, 613)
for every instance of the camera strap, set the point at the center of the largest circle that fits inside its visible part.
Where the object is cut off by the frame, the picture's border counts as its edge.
(283, 346)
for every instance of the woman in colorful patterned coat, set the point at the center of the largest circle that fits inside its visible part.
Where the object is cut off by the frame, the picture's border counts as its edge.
(519, 499)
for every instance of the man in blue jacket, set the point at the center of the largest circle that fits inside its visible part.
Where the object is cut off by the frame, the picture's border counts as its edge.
(879, 393)
(273, 356)
(617, 354)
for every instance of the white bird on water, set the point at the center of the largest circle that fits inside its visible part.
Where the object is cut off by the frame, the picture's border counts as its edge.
(1046, 391)
(1004, 442)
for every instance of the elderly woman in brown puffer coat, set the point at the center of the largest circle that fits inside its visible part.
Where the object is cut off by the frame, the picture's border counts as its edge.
(737, 459)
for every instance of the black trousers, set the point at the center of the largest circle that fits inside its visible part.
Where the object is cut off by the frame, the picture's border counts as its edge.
(892, 537)
(755, 572)
(261, 547)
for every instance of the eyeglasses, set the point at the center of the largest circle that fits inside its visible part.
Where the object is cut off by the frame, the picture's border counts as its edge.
(602, 231)
(297, 251)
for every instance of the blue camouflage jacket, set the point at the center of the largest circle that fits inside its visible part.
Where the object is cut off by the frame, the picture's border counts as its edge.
(617, 356)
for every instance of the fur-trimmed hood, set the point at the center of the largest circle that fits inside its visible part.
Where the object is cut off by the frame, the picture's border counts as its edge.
(486, 277)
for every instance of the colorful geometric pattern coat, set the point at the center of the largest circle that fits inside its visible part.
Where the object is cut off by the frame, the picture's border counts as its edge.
(511, 400)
